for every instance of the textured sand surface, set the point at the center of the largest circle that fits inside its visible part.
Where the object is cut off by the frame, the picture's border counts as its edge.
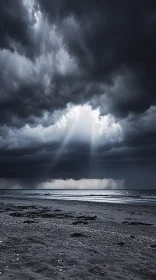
(76, 240)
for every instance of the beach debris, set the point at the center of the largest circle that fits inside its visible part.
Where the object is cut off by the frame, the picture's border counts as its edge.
(28, 222)
(121, 243)
(80, 222)
(78, 234)
(41, 214)
(153, 246)
(84, 219)
(137, 223)
(91, 218)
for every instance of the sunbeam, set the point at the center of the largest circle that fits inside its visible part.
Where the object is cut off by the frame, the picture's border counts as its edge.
(62, 123)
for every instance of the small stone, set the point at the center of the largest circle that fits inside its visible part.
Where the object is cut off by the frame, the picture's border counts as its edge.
(78, 234)
(153, 246)
(121, 243)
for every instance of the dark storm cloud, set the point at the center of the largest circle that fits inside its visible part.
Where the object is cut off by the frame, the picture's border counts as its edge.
(114, 37)
(64, 51)
(15, 26)
(107, 39)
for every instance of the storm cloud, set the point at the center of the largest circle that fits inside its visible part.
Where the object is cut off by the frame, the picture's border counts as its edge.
(77, 91)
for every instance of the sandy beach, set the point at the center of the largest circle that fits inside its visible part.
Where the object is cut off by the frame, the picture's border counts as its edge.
(56, 239)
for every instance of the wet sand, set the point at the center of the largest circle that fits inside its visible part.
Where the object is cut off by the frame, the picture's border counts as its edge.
(45, 239)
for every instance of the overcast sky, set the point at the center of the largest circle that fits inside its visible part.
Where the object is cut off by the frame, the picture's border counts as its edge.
(78, 93)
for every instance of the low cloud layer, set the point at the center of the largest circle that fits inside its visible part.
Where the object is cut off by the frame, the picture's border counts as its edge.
(83, 184)
(66, 184)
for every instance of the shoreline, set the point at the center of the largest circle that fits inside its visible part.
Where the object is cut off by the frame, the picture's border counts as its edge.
(36, 199)
(60, 239)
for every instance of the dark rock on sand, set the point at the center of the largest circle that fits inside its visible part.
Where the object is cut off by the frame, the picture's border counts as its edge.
(78, 234)
(91, 218)
(40, 214)
(153, 246)
(29, 222)
(121, 243)
(137, 223)
(16, 214)
(80, 222)
(140, 223)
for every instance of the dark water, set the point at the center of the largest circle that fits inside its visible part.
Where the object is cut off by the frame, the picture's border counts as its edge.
(111, 196)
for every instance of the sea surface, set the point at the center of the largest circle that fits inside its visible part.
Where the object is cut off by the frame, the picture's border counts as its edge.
(111, 196)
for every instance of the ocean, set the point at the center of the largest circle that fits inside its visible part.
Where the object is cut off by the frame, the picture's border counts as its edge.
(109, 196)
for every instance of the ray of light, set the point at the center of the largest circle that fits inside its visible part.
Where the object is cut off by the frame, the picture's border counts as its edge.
(95, 119)
(66, 140)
